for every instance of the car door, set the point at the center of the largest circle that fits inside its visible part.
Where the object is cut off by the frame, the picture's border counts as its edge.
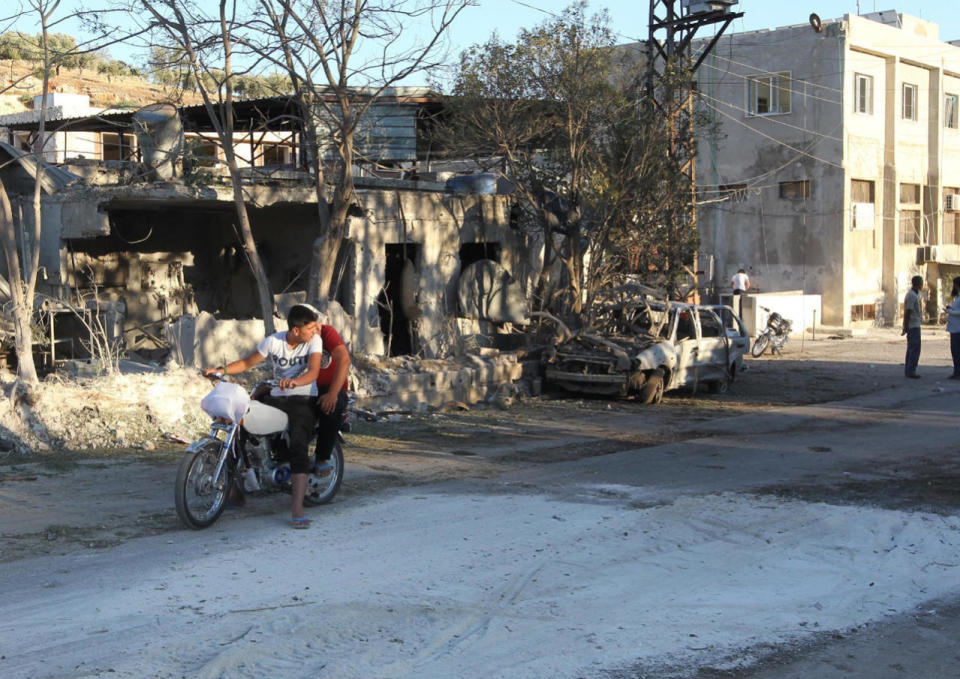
(734, 328)
(714, 347)
(687, 343)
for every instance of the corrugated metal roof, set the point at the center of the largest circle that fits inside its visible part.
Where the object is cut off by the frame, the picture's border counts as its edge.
(54, 178)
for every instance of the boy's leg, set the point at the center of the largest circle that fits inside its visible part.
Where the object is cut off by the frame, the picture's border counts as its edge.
(302, 412)
(328, 425)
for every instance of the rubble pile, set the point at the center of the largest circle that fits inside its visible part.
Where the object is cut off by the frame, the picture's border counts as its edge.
(139, 411)
(107, 412)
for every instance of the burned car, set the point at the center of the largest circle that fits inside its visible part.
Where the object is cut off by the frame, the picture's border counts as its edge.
(647, 347)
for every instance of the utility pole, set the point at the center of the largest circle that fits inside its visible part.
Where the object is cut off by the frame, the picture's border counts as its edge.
(669, 88)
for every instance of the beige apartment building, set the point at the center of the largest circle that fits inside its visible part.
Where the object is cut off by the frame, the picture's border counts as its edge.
(833, 165)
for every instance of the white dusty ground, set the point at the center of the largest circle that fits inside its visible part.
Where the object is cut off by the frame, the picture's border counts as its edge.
(433, 583)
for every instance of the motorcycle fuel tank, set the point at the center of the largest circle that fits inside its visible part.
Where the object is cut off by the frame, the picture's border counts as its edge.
(262, 419)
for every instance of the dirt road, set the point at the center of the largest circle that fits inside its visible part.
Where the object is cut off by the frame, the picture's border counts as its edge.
(802, 533)
(58, 503)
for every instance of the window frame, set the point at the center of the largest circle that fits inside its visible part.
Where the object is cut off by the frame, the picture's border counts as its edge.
(777, 82)
(951, 220)
(948, 110)
(858, 93)
(910, 216)
(805, 189)
(914, 102)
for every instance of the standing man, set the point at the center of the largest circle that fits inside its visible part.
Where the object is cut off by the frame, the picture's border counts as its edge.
(740, 284)
(953, 327)
(911, 326)
(296, 356)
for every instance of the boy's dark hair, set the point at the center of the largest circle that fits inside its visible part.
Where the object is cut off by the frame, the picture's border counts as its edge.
(916, 280)
(299, 316)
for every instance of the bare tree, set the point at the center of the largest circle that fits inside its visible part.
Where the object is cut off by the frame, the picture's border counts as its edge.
(558, 113)
(23, 273)
(204, 41)
(342, 56)
(20, 237)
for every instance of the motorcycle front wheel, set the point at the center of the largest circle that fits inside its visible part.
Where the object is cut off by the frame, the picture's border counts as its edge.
(200, 498)
(760, 344)
(322, 486)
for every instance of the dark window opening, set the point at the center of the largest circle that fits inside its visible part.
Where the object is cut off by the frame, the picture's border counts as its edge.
(398, 297)
(474, 252)
(797, 190)
(863, 312)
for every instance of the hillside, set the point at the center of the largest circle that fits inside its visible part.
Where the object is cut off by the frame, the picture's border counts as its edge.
(105, 91)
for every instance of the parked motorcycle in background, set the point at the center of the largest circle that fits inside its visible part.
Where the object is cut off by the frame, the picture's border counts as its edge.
(775, 335)
(246, 455)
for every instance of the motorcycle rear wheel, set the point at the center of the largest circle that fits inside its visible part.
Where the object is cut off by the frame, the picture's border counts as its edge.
(322, 489)
(760, 344)
(200, 498)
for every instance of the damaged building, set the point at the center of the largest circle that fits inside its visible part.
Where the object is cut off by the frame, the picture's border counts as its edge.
(156, 257)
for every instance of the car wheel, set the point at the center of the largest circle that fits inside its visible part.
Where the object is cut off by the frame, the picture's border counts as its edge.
(652, 389)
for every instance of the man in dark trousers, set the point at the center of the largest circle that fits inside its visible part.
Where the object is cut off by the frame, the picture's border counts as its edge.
(912, 316)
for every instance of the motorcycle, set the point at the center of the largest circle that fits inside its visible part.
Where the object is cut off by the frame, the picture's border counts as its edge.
(242, 449)
(775, 335)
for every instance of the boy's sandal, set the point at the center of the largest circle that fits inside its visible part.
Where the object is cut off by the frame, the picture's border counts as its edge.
(301, 522)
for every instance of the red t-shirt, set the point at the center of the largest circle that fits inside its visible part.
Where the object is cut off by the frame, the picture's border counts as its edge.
(331, 340)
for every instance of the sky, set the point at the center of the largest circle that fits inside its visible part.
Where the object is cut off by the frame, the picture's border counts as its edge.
(630, 17)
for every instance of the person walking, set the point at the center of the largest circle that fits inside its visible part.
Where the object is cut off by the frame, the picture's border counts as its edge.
(912, 317)
(953, 327)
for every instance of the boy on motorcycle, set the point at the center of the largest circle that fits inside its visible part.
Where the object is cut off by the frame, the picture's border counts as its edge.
(296, 356)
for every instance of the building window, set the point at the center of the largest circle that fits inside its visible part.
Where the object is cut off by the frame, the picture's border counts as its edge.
(863, 94)
(768, 94)
(204, 152)
(116, 146)
(909, 101)
(733, 192)
(862, 200)
(863, 312)
(950, 113)
(911, 221)
(862, 191)
(951, 219)
(274, 154)
(797, 190)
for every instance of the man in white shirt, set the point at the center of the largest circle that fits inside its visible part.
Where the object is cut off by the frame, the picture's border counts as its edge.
(296, 355)
(740, 282)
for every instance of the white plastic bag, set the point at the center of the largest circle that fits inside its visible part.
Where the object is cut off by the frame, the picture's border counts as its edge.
(227, 400)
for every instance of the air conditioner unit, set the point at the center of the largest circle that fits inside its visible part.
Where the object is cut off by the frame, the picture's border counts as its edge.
(934, 255)
(923, 254)
(951, 203)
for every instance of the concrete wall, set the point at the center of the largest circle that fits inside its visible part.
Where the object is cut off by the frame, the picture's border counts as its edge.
(784, 244)
(804, 311)
(438, 224)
